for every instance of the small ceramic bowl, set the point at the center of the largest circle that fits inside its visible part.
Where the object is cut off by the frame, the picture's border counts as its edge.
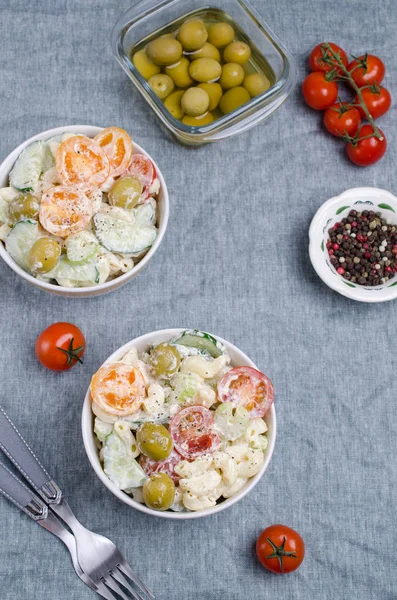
(332, 211)
(141, 344)
(108, 286)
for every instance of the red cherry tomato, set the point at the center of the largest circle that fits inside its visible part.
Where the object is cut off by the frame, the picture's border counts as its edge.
(377, 99)
(167, 466)
(245, 386)
(366, 70)
(280, 549)
(318, 92)
(191, 431)
(317, 55)
(340, 119)
(143, 169)
(369, 150)
(60, 346)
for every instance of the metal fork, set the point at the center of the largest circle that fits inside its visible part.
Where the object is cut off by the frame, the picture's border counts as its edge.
(98, 558)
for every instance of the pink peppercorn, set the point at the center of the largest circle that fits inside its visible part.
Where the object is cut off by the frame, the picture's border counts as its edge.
(366, 246)
(367, 255)
(330, 251)
(340, 270)
(394, 250)
(335, 246)
(345, 237)
(354, 224)
(388, 269)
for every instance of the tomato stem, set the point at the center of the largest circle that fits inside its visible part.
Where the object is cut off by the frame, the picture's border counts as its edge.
(72, 353)
(279, 552)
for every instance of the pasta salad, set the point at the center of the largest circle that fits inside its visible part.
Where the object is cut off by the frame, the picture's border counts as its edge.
(179, 427)
(80, 211)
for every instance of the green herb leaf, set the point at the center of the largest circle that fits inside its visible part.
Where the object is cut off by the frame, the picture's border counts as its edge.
(386, 207)
(392, 284)
(349, 284)
(341, 209)
(322, 245)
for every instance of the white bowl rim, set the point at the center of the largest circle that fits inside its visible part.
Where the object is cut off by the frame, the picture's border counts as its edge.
(108, 285)
(94, 460)
(382, 293)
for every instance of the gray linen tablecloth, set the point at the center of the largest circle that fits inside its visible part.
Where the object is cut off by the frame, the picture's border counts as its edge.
(234, 262)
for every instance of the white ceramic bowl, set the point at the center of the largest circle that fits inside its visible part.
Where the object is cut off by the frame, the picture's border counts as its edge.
(332, 211)
(109, 286)
(141, 343)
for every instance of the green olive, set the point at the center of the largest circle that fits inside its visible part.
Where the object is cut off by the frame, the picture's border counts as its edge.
(164, 360)
(144, 65)
(198, 121)
(207, 51)
(237, 52)
(214, 91)
(233, 98)
(220, 34)
(154, 441)
(125, 192)
(232, 74)
(179, 73)
(205, 70)
(173, 104)
(159, 491)
(24, 206)
(162, 85)
(192, 34)
(44, 255)
(164, 51)
(256, 83)
(195, 101)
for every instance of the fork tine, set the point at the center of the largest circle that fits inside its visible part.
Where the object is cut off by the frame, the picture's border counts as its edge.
(126, 569)
(116, 574)
(113, 585)
(103, 591)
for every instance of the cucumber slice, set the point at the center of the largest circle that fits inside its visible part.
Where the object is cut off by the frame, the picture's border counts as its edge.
(70, 275)
(30, 164)
(145, 214)
(20, 240)
(81, 247)
(121, 236)
(201, 340)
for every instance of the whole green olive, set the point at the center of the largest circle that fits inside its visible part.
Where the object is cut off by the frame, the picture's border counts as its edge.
(144, 65)
(205, 70)
(256, 83)
(173, 104)
(24, 206)
(126, 192)
(179, 73)
(237, 52)
(192, 34)
(220, 34)
(198, 121)
(207, 51)
(195, 101)
(162, 85)
(164, 360)
(214, 92)
(164, 51)
(44, 255)
(232, 74)
(154, 441)
(159, 491)
(233, 99)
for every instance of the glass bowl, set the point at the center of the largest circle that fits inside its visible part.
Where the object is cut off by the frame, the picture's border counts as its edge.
(149, 16)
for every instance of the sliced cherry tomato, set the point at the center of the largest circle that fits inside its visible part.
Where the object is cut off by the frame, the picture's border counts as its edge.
(317, 55)
(64, 210)
(117, 145)
(318, 92)
(60, 346)
(118, 389)
(280, 549)
(366, 70)
(369, 150)
(245, 386)
(191, 431)
(81, 162)
(377, 99)
(167, 466)
(143, 169)
(340, 119)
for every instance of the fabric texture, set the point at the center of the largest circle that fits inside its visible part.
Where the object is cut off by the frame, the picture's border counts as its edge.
(234, 262)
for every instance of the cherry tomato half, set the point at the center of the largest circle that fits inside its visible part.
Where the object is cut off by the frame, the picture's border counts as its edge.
(191, 431)
(318, 92)
(340, 119)
(245, 386)
(60, 346)
(369, 150)
(366, 70)
(143, 169)
(377, 99)
(280, 549)
(118, 389)
(166, 466)
(317, 55)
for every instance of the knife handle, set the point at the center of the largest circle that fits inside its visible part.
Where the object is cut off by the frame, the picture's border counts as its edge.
(18, 493)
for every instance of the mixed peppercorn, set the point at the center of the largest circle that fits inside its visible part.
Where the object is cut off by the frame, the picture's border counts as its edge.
(363, 248)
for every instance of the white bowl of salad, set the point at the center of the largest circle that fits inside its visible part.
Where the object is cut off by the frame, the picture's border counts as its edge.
(82, 210)
(179, 424)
